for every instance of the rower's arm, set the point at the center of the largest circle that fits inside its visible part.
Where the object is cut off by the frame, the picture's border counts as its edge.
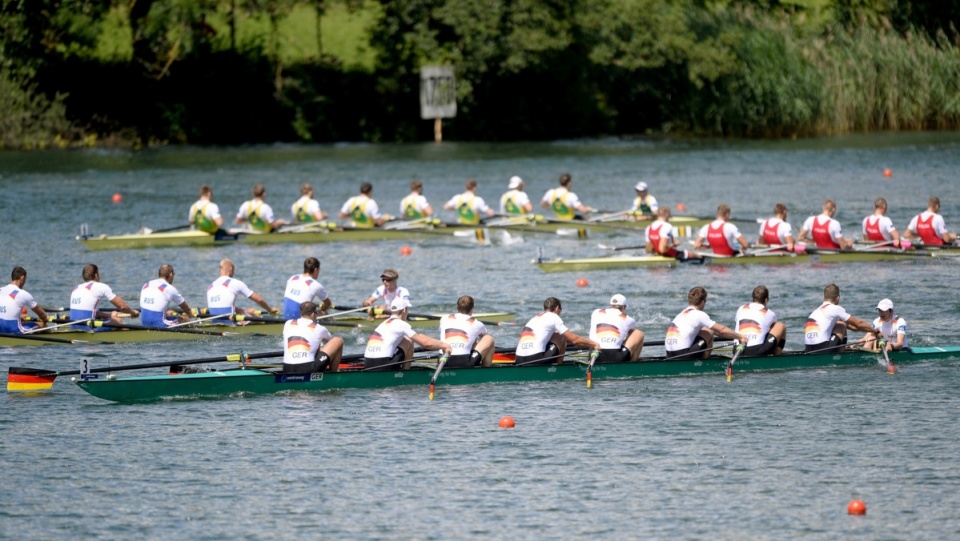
(257, 298)
(427, 342)
(857, 324)
(42, 322)
(122, 305)
(725, 332)
(579, 341)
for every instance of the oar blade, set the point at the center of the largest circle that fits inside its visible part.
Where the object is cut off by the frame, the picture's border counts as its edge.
(29, 379)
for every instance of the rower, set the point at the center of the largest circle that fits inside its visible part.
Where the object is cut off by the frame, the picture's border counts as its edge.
(156, 295)
(928, 226)
(515, 201)
(390, 347)
(86, 297)
(644, 205)
(878, 227)
(306, 209)
(825, 231)
(887, 326)
(388, 291)
(661, 237)
(305, 287)
(222, 293)
(258, 213)
(564, 203)
(826, 328)
(470, 343)
(469, 205)
(14, 300)
(765, 335)
(617, 333)
(205, 214)
(363, 210)
(721, 234)
(691, 333)
(415, 206)
(776, 230)
(544, 338)
(304, 349)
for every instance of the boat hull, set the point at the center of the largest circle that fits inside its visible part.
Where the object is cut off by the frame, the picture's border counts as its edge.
(336, 325)
(239, 382)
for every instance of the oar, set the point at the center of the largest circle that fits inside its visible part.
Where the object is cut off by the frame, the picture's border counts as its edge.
(158, 329)
(201, 320)
(438, 318)
(582, 223)
(54, 309)
(836, 348)
(886, 356)
(36, 379)
(436, 373)
(594, 354)
(619, 248)
(168, 229)
(736, 354)
(42, 338)
(259, 319)
(345, 310)
(39, 329)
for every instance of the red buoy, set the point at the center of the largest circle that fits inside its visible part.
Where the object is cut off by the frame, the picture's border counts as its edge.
(507, 422)
(681, 207)
(117, 197)
(887, 173)
(582, 282)
(405, 250)
(857, 507)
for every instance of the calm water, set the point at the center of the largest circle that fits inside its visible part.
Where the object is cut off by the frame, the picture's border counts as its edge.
(771, 456)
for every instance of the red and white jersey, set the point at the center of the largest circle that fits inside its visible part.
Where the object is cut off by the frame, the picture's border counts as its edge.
(878, 228)
(819, 327)
(685, 328)
(658, 230)
(222, 294)
(929, 226)
(301, 339)
(754, 321)
(12, 302)
(538, 331)
(775, 231)
(157, 294)
(721, 236)
(825, 231)
(890, 329)
(383, 343)
(461, 332)
(609, 327)
(86, 298)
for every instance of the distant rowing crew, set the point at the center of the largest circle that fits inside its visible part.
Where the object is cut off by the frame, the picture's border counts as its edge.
(725, 239)
(364, 212)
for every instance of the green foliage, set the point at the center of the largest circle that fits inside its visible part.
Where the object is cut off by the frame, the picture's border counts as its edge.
(28, 119)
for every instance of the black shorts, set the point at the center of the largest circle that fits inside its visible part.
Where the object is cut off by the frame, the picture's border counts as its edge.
(385, 363)
(464, 361)
(318, 365)
(549, 356)
(830, 346)
(693, 351)
(621, 355)
(763, 348)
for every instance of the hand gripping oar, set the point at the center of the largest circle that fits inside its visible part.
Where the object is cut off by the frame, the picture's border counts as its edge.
(37, 379)
(886, 356)
(737, 350)
(594, 354)
(436, 373)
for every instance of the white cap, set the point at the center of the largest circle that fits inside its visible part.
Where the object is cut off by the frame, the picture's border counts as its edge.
(641, 187)
(885, 304)
(618, 300)
(515, 182)
(399, 304)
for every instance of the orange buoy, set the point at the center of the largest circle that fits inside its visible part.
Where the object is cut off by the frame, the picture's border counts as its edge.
(857, 507)
(507, 422)
(681, 207)
(405, 250)
(887, 173)
(582, 282)
(117, 197)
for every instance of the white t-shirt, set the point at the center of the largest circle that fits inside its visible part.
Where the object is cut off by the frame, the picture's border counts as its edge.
(363, 210)
(383, 343)
(86, 297)
(461, 332)
(609, 327)
(258, 214)
(413, 205)
(300, 289)
(890, 329)
(305, 209)
(222, 294)
(819, 326)
(754, 321)
(562, 201)
(387, 296)
(513, 202)
(12, 301)
(538, 331)
(685, 328)
(302, 338)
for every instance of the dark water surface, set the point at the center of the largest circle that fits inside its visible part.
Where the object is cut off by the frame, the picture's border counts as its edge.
(769, 456)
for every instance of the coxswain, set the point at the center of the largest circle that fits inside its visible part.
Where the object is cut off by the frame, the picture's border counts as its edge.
(928, 226)
(644, 205)
(388, 290)
(617, 333)
(308, 346)
(14, 300)
(888, 326)
(544, 338)
(721, 235)
(515, 201)
(824, 230)
(390, 347)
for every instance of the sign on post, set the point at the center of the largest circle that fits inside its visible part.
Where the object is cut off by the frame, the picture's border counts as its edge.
(438, 96)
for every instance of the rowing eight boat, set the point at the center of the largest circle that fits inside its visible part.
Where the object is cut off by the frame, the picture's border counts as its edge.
(209, 330)
(247, 382)
(331, 232)
(768, 258)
